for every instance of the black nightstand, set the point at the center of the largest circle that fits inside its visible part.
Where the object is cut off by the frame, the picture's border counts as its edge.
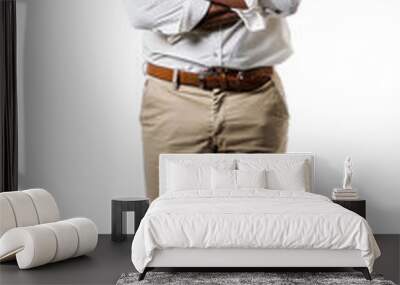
(119, 207)
(357, 206)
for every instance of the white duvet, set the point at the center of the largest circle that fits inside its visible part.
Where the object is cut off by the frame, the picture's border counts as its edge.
(250, 219)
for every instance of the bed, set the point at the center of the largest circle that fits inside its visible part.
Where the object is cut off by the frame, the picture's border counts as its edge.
(248, 211)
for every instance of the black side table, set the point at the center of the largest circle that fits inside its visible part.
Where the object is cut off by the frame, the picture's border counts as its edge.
(357, 206)
(119, 207)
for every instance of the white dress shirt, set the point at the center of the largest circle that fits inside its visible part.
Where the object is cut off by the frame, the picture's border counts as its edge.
(261, 38)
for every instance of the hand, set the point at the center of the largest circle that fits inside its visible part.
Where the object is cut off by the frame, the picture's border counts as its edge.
(218, 16)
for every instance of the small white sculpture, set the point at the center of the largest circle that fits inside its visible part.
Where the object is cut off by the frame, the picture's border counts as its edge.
(348, 173)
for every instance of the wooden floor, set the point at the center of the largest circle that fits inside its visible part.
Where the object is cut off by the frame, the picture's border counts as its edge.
(110, 260)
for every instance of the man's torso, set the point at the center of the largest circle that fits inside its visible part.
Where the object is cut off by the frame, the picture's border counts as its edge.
(234, 47)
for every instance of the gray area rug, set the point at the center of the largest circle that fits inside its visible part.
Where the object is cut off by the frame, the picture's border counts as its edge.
(244, 278)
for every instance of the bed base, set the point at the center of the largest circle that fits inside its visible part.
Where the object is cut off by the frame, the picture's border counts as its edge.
(363, 270)
(250, 259)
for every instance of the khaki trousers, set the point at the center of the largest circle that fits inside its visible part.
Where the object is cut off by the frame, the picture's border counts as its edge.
(193, 120)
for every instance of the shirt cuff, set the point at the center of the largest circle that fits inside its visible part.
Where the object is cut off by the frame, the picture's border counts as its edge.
(193, 12)
(253, 17)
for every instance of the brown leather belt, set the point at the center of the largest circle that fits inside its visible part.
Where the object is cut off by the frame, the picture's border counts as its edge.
(215, 78)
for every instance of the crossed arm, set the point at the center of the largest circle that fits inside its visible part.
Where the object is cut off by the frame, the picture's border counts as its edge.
(172, 17)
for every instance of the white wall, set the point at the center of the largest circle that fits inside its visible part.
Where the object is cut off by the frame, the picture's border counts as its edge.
(81, 88)
(343, 90)
(80, 92)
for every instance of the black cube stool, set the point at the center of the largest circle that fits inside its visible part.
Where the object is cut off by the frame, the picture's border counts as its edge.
(119, 207)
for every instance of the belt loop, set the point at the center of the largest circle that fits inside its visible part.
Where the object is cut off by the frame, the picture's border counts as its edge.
(224, 80)
(175, 79)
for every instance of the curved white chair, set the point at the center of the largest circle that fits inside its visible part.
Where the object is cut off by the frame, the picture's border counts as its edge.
(32, 233)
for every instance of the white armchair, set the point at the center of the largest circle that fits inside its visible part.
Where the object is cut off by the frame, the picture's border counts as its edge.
(31, 230)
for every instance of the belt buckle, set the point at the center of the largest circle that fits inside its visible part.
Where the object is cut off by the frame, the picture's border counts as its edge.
(204, 75)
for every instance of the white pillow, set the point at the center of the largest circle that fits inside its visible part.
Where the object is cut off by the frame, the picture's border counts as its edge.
(251, 178)
(237, 179)
(223, 179)
(193, 174)
(289, 175)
